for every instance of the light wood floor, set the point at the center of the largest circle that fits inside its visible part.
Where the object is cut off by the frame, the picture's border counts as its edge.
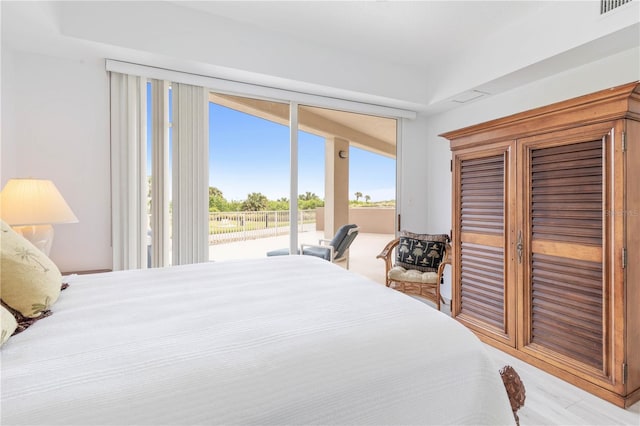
(549, 400)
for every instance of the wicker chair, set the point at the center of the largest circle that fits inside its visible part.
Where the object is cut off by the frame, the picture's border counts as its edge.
(414, 281)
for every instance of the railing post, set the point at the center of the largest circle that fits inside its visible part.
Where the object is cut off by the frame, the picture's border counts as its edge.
(244, 226)
(226, 227)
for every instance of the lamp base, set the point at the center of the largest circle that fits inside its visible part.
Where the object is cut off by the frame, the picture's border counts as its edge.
(40, 236)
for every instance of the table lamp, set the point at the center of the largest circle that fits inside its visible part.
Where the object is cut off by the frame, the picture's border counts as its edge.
(31, 206)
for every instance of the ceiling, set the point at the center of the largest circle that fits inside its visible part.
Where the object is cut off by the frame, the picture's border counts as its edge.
(410, 41)
(413, 55)
(381, 30)
(422, 56)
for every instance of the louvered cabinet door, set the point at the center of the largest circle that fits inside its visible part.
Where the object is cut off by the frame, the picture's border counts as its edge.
(567, 244)
(483, 288)
(563, 227)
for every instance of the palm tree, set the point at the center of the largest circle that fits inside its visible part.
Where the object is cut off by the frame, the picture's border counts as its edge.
(308, 196)
(217, 201)
(214, 192)
(358, 195)
(367, 198)
(255, 202)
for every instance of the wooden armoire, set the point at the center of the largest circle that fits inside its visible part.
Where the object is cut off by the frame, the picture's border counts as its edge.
(546, 238)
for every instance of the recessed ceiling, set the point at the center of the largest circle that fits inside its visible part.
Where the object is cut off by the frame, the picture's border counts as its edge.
(389, 31)
(413, 55)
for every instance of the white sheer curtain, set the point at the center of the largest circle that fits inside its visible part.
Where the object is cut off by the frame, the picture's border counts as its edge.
(160, 174)
(128, 171)
(189, 174)
(190, 152)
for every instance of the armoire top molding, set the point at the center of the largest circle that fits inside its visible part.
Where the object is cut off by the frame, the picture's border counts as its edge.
(609, 104)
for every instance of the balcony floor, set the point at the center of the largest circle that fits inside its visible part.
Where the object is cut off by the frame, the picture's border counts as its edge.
(363, 252)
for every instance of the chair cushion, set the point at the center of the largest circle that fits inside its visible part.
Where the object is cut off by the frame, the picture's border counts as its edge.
(322, 252)
(342, 240)
(398, 273)
(422, 252)
(280, 252)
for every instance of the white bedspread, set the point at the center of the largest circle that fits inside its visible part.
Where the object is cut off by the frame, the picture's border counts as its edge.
(283, 340)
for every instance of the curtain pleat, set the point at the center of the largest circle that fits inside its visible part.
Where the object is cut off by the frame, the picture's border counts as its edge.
(190, 184)
(160, 175)
(128, 171)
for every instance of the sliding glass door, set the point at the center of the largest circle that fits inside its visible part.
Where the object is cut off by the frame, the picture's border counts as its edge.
(162, 201)
(291, 187)
(269, 187)
(249, 182)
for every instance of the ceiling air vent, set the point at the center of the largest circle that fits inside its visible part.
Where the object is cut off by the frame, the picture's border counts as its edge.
(609, 5)
(468, 96)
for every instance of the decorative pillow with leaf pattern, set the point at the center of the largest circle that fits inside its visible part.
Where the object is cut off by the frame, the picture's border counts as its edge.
(30, 280)
(9, 324)
(422, 252)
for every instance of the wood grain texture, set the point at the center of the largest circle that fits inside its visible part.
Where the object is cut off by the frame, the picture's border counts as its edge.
(483, 299)
(551, 261)
(631, 216)
(566, 307)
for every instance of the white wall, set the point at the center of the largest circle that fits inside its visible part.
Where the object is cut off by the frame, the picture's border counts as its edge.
(553, 37)
(212, 45)
(56, 111)
(7, 123)
(425, 164)
(55, 125)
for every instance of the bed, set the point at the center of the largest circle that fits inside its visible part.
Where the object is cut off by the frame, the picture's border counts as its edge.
(281, 340)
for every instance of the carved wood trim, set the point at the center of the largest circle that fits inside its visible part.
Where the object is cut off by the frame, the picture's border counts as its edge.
(606, 105)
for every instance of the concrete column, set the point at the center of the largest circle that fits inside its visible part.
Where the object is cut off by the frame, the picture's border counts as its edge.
(336, 185)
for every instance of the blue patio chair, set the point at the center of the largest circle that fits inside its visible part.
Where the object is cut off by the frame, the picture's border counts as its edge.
(334, 250)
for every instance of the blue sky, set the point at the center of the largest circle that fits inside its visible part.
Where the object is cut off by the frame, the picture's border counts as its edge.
(249, 154)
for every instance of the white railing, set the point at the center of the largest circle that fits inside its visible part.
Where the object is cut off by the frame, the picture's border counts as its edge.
(226, 227)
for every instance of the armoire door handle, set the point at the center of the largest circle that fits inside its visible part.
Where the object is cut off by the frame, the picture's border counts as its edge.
(519, 246)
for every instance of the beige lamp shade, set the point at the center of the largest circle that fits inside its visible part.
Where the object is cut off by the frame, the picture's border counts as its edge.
(34, 202)
(30, 206)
